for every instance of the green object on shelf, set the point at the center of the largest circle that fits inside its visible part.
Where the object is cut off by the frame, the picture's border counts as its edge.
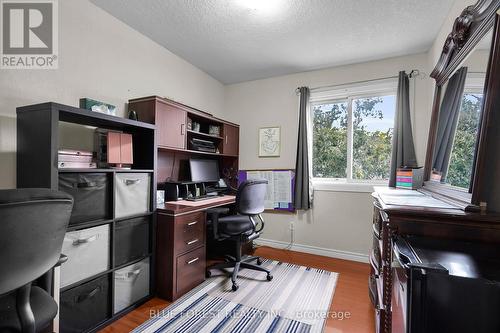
(97, 106)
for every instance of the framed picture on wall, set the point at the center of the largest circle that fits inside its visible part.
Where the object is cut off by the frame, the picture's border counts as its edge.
(269, 141)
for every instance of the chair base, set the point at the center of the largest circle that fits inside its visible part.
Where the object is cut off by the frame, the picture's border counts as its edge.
(231, 262)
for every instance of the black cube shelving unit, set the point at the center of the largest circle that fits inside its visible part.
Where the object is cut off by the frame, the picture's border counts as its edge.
(37, 154)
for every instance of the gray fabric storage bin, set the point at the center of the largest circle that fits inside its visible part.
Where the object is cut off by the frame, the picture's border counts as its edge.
(132, 193)
(131, 284)
(88, 254)
(131, 239)
(91, 193)
(85, 306)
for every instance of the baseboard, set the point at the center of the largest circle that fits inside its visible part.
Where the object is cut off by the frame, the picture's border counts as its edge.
(332, 253)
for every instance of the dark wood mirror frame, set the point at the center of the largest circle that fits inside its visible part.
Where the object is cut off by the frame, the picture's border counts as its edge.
(469, 28)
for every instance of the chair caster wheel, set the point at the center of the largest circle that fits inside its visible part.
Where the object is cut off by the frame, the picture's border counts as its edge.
(259, 261)
(208, 274)
(235, 287)
(269, 277)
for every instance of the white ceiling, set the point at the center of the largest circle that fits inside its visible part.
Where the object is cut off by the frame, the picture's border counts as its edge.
(235, 43)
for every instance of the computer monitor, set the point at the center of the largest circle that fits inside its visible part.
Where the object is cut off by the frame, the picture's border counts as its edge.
(204, 170)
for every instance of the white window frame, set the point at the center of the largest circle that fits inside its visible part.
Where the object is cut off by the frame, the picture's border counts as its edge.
(347, 93)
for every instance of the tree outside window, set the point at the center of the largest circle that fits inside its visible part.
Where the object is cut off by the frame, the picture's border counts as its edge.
(352, 138)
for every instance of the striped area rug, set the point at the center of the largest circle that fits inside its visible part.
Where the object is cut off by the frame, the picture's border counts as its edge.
(295, 301)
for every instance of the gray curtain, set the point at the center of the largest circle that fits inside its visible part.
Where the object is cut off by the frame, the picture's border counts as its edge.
(447, 121)
(403, 149)
(302, 198)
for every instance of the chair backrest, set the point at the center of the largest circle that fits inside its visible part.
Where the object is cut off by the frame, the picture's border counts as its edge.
(250, 197)
(33, 223)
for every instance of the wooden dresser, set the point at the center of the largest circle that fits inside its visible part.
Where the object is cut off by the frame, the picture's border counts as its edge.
(433, 218)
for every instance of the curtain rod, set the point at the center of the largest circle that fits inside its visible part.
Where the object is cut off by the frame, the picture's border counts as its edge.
(414, 73)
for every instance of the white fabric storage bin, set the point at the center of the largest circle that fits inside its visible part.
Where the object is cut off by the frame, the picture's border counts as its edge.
(132, 193)
(88, 254)
(131, 284)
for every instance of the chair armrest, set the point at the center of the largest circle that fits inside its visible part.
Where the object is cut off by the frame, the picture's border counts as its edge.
(218, 210)
(214, 216)
(45, 281)
(62, 259)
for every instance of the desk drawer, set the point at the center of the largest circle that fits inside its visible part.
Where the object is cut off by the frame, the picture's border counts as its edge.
(190, 270)
(189, 232)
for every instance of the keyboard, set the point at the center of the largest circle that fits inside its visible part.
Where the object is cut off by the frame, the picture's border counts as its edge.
(202, 197)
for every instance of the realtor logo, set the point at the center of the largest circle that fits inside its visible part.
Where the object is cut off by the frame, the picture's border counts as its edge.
(29, 38)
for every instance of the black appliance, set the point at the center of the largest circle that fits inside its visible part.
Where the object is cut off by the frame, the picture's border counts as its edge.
(203, 145)
(445, 286)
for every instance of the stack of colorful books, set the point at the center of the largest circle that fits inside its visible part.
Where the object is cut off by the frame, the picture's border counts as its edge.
(409, 178)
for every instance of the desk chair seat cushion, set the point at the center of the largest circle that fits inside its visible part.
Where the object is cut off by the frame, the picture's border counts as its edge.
(235, 225)
(43, 306)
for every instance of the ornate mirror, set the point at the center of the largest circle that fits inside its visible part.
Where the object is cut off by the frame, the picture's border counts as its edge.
(465, 81)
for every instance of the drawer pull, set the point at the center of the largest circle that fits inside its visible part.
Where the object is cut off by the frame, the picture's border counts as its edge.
(80, 241)
(192, 261)
(192, 223)
(86, 184)
(91, 294)
(128, 275)
(129, 182)
(192, 241)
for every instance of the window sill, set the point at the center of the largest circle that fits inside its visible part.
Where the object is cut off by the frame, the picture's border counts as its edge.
(343, 186)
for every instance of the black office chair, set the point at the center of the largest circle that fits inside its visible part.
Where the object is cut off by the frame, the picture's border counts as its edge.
(33, 223)
(241, 228)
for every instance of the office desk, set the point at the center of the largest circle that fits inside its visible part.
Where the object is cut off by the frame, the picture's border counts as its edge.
(181, 245)
(182, 207)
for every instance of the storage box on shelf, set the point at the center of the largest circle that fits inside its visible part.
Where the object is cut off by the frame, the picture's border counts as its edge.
(111, 233)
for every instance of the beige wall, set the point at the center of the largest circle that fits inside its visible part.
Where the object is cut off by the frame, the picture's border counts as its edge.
(102, 58)
(340, 221)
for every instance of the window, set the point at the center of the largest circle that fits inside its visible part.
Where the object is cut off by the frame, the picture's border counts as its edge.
(352, 132)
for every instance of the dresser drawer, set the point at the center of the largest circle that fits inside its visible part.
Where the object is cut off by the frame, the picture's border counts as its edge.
(377, 218)
(375, 264)
(372, 289)
(377, 251)
(190, 270)
(189, 232)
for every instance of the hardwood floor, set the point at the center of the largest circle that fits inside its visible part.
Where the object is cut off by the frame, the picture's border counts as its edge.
(350, 299)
